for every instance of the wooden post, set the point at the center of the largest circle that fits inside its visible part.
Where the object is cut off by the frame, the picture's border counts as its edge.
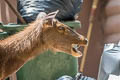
(15, 12)
(94, 6)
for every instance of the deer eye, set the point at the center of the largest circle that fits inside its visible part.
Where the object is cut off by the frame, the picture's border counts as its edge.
(61, 28)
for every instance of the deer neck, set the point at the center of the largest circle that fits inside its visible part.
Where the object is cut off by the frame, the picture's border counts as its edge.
(25, 44)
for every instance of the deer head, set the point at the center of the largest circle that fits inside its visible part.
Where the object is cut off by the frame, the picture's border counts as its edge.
(61, 38)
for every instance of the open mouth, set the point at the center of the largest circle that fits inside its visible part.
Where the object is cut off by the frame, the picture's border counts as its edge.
(75, 50)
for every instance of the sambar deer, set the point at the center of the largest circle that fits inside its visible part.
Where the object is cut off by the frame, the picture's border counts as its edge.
(43, 34)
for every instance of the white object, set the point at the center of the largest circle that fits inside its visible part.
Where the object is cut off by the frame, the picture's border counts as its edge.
(114, 77)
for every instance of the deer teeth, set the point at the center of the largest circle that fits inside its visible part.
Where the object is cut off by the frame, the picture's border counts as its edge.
(75, 48)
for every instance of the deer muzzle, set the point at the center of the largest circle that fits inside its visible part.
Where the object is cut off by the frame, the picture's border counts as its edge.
(75, 48)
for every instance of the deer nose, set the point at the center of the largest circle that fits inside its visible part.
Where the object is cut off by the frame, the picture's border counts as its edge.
(86, 41)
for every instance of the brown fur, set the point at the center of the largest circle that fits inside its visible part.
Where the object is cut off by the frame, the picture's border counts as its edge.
(38, 37)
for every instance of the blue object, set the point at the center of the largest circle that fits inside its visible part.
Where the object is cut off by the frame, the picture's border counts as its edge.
(78, 76)
(65, 78)
(29, 9)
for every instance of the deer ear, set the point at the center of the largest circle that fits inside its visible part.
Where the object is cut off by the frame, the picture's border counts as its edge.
(51, 22)
(50, 18)
(41, 15)
(48, 21)
(54, 22)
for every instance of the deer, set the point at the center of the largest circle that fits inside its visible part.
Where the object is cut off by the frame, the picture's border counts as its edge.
(45, 33)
